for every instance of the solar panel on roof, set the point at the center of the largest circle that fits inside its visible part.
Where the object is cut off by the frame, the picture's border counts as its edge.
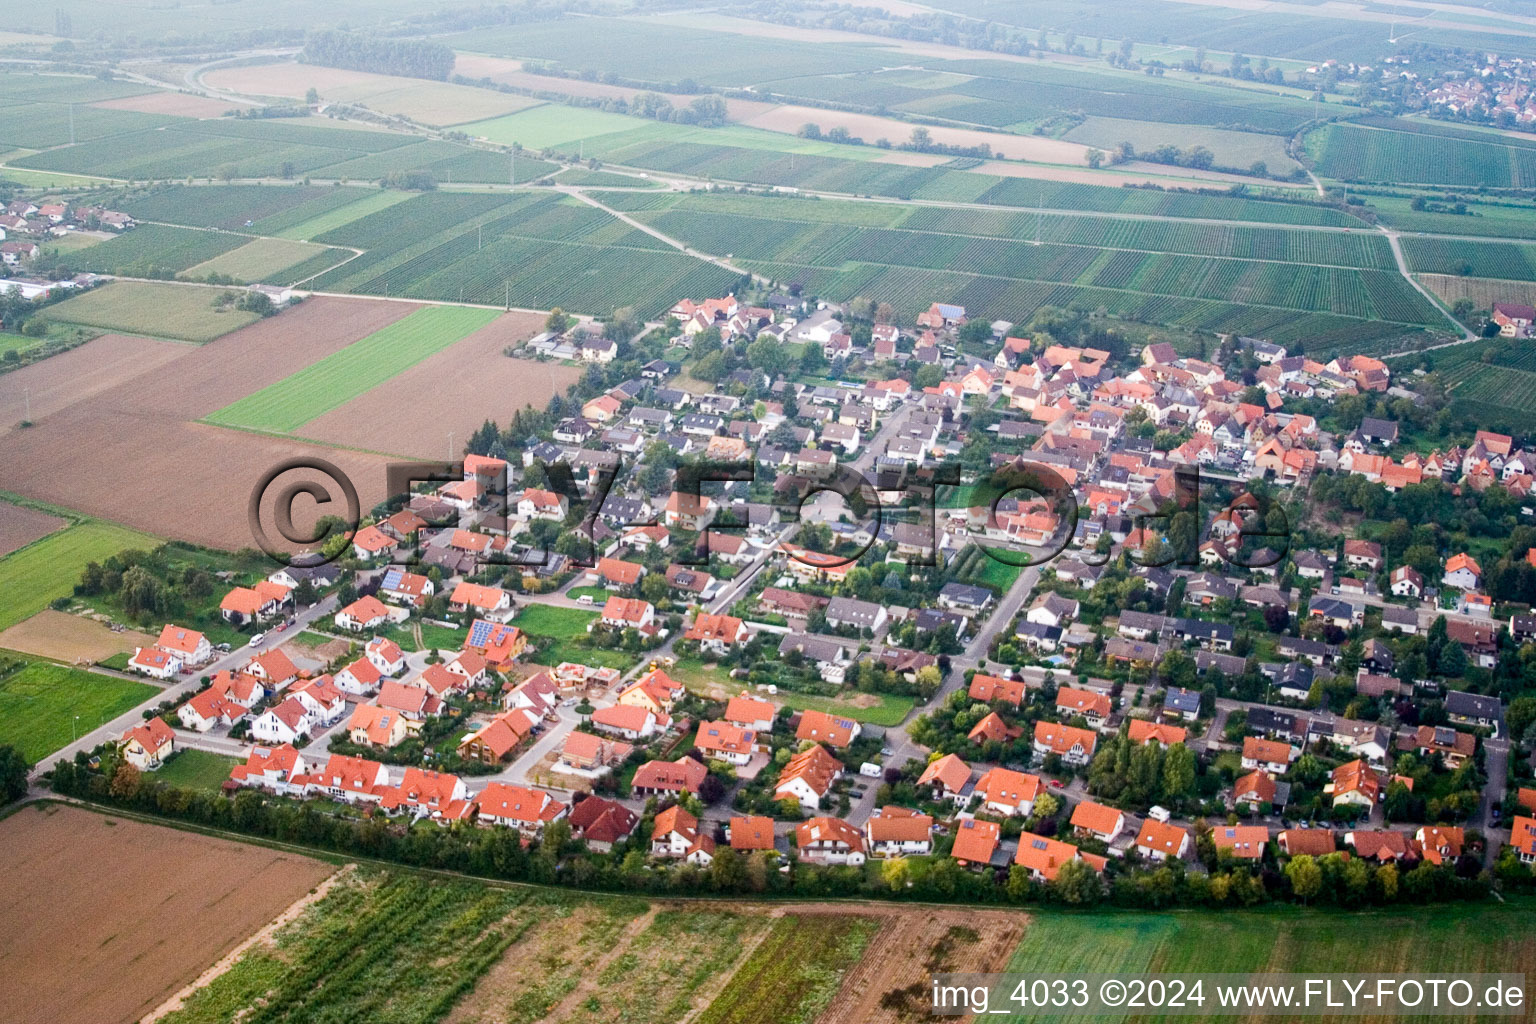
(478, 633)
(392, 579)
(1038, 844)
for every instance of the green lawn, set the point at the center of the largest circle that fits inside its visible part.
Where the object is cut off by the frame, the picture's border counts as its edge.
(33, 576)
(597, 594)
(890, 710)
(182, 312)
(40, 705)
(196, 769)
(548, 620)
(342, 376)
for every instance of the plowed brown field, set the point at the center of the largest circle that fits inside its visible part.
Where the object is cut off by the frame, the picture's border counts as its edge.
(105, 917)
(449, 392)
(20, 526)
(128, 449)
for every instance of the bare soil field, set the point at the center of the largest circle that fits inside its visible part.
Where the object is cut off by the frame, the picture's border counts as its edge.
(1169, 176)
(80, 374)
(73, 639)
(132, 453)
(435, 103)
(510, 72)
(454, 390)
(177, 104)
(105, 917)
(912, 944)
(789, 119)
(20, 526)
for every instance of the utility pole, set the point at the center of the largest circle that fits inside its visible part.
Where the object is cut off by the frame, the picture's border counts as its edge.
(450, 446)
(71, 124)
(507, 297)
(512, 163)
(28, 393)
(1039, 210)
(477, 237)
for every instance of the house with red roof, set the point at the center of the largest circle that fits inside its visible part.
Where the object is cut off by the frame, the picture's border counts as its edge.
(422, 793)
(1097, 821)
(147, 746)
(281, 770)
(827, 840)
(601, 822)
(722, 741)
(820, 727)
(949, 777)
(676, 835)
(631, 721)
(976, 842)
(716, 633)
(1073, 745)
(366, 613)
(527, 810)
(898, 832)
(630, 613)
(1043, 857)
(668, 778)
(808, 777)
(187, 644)
(494, 741)
(750, 833)
(1008, 792)
(1159, 840)
(354, 780)
(154, 662)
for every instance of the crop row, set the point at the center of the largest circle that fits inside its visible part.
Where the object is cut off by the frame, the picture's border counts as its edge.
(150, 249)
(1353, 153)
(1471, 259)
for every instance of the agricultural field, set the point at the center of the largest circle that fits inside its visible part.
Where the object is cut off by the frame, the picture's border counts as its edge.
(72, 639)
(265, 260)
(290, 403)
(233, 148)
(20, 525)
(432, 103)
(487, 384)
(533, 251)
(794, 973)
(314, 224)
(1455, 939)
(108, 448)
(33, 576)
(602, 179)
(1502, 397)
(157, 310)
(79, 885)
(559, 635)
(385, 947)
(1329, 286)
(1483, 291)
(1507, 260)
(41, 389)
(43, 705)
(1397, 151)
(156, 250)
(256, 209)
(1232, 149)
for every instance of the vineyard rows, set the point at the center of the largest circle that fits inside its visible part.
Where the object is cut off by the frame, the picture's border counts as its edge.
(1471, 259)
(1353, 153)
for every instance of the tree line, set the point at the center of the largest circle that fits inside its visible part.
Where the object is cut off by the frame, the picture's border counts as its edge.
(414, 58)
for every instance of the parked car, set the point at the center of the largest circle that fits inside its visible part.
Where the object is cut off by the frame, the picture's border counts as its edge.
(257, 639)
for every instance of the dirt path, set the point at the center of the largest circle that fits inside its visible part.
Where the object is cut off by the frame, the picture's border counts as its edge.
(298, 907)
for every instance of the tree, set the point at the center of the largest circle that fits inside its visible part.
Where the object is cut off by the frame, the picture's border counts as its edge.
(810, 130)
(1305, 876)
(13, 773)
(1178, 771)
(312, 96)
(558, 321)
(1095, 158)
(921, 140)
(895, 872)
(1077, 883)
(653, 587)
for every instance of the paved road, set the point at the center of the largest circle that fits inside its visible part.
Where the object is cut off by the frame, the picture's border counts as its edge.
(183, 687)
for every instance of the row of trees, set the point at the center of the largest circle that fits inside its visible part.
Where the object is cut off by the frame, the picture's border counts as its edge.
(414, 58)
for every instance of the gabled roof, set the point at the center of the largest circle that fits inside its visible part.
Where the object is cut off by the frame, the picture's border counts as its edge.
(975, 841)
(949, 770)
(1096, 817)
